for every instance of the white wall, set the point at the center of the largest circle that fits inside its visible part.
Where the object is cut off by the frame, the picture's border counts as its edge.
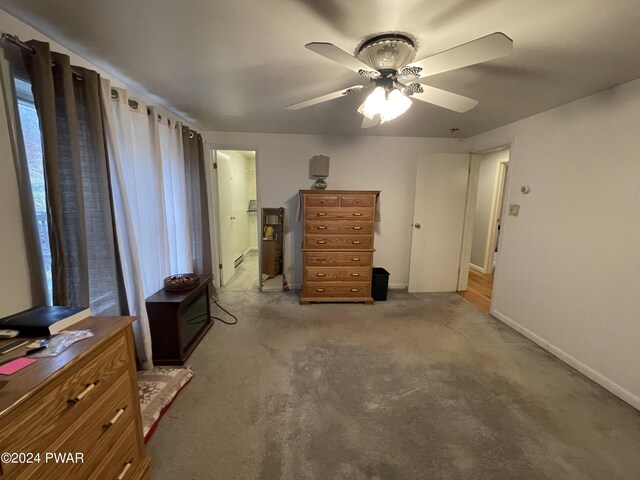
(569, 269)
(252, 195)
(387, 164)
(484, 202)
(239, 189)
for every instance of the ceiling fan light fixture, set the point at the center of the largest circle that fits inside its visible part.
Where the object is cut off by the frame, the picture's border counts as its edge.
(388, 105)
(387, 61)
(389, 51)
(397, 103)
(374, 104)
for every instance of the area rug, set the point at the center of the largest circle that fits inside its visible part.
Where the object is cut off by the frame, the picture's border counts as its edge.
(158, 389)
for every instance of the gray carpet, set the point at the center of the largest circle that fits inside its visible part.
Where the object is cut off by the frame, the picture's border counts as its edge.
(418, 387)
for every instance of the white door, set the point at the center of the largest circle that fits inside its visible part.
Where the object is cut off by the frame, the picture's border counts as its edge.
(438, 218)
(225, 216)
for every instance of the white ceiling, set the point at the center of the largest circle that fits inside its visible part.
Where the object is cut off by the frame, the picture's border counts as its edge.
(235, 65)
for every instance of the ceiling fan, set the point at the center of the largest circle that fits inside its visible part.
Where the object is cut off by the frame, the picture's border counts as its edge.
(386, 60)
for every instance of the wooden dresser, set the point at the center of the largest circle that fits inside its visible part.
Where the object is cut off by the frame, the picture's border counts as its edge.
(337, 245)
(81, 405)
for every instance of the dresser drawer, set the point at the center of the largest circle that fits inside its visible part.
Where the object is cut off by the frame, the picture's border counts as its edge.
(338, 226)
(42, 421)
(337, 290)
(337, 274)
(123, 462)
(327, 200)
(357, 200)
(344, 242)
(338, 258)
(359, 213)
(95, 433)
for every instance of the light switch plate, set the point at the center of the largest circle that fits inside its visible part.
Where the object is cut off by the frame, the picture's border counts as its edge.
(514, 210)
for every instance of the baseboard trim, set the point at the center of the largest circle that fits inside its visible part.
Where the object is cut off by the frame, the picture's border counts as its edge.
(476, 268)
(587, 371)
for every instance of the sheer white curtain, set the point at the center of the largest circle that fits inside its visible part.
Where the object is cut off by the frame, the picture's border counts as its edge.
(147, 166)
(166, 136)
(119, 150)
(143, 177)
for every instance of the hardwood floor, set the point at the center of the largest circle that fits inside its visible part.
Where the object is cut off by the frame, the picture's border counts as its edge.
(479, 290)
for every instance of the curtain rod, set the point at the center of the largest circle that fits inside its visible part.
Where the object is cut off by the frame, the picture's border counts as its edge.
(15, 41)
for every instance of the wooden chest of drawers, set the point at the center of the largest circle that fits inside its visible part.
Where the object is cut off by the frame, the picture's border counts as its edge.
(81, 405)
(337, 245)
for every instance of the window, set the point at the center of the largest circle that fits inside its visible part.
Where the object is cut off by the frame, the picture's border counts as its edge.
(33, 149)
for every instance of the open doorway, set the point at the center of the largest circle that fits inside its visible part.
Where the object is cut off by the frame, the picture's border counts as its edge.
(485, 208)
(236, 218)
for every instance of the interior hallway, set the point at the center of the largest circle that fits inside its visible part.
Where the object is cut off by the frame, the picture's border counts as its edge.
(418, 387)
(479, 290)
(246, 276)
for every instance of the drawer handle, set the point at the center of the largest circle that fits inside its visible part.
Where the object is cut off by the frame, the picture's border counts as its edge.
(357, 228)
(82, 394)
(355, 259)
(321, 227)
(320, 274)
(357, 214)
(355, 274)
(322, 214)
(320, 290)
(125, 470)
(354, 289)
(321, 242)
(356, 242)
(114, 419)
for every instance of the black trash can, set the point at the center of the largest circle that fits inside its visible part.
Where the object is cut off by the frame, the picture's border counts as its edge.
(379, 284)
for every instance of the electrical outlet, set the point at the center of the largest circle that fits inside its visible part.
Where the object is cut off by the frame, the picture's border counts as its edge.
(514, 210)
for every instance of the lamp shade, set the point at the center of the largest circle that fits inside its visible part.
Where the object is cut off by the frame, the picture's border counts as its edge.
(319, 166)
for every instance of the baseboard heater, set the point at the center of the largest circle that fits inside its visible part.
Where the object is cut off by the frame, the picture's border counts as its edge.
(238, 261)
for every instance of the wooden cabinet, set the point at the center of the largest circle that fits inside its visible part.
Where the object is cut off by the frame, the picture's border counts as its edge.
(271, 258)
(178, 321)
(272, 241)
(82, 402)
(337, 245)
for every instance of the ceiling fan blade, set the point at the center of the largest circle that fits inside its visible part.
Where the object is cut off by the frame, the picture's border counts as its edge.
(368, 122)
(323, 98)
(483, 49)
(330, 51)
(444, 99)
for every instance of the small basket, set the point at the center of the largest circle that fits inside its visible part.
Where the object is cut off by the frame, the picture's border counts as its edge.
(181, 282)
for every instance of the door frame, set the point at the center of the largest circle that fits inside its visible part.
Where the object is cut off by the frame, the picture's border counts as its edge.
(469, 220)
(214, 213)
(467, 235)
(497, 202)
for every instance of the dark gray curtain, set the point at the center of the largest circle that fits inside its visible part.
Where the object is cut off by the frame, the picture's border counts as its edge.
(85, 267)
(197, 200)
